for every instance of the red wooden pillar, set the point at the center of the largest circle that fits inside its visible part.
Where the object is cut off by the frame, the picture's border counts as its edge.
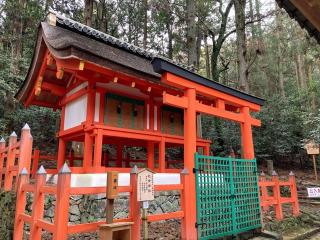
(98, 149)
(11, 154)
(88, 140)
(87, 158)
(61, 213)
(35, 165)
(150, 152)
(189, 230)
(25, 149)
(134, 211)
(38, 204)
(61, 153)
(277, 196)
(207, 150)
(294, 194)
(162, 155)
(246, 135)
(2, 147)
(264, 191)
(21, 201)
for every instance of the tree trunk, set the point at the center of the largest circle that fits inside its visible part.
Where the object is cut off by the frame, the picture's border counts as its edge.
(191, 32)
(88, 10)
(170, 38)
(198, 46)
(251, 14)
(313, 94)
(240, 6)
(301, 71)
(102, 16)
(17, 33)
(279, 53)
(207, 57)
(217, 43)
(145, 23)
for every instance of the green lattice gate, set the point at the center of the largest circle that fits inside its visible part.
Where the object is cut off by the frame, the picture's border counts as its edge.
(227, 196)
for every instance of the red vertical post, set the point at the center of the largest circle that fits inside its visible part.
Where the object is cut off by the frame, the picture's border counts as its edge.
(183, 175)
(38, 204)
(98, 149)
(264, 191)
(2, 152)
(61, 153)
(90, 103)
(277, 196)
(21, 201)
(71, 158)
(246, 135)
(162, 155)
(11, 154)
(190, 138)
(134, 211)
(150, 157)
(87, 158)
(35, 165)
(294, 194)
(207, 150)
(61, 213)
(25, 149)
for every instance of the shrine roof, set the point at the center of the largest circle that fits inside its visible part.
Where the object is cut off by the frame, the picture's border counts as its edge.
(66, 38)
(306, 13)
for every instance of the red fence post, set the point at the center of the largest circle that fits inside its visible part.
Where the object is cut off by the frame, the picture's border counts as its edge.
(184, 224)
(264, 191)
(294, 194)
(61, 214)
(277, 196)
(38, 204)
(11, 155)
(20, 204)
(2, 153)
(134, 211)
(25, 149)
(35, 165)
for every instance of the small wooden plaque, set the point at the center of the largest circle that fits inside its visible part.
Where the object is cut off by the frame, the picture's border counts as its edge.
(312, 147)
(112, 185)
(145, 185)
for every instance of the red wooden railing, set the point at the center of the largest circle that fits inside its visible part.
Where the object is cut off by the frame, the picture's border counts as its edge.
(275, 199)
(14, 157)
(60, 228)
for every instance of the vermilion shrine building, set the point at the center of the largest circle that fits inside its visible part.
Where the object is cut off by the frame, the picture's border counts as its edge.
(111, 92)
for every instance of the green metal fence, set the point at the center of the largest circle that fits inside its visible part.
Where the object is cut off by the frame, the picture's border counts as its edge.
(227, 196)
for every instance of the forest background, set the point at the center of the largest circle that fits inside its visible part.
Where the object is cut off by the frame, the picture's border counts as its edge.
(250, 45)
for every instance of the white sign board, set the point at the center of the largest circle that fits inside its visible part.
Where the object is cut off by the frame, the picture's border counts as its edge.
(313, 192)
(145, 185)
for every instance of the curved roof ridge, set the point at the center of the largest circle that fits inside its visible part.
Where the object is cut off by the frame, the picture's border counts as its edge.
(73, 25)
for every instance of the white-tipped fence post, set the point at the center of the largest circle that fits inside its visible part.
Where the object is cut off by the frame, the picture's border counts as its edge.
(61, 214)
(134, 211)
(38, 204)
(21, 201)
(25, 149)
(11, 154)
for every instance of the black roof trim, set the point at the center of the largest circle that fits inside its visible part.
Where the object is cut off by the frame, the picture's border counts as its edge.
(90, 32)
(293, 12)
(161, 65)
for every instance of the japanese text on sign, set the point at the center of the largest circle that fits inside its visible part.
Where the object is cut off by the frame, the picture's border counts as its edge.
(313, 192)
(145, 185)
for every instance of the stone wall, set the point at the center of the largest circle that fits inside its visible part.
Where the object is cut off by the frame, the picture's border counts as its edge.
(91, 208)
(7, 212)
